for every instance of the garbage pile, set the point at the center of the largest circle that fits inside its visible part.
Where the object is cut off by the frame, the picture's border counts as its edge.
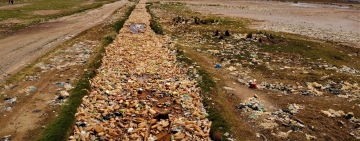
(238, 52)
(333, 113)
(140, 93)
(6, 138)
(273, 118)
(8, 104)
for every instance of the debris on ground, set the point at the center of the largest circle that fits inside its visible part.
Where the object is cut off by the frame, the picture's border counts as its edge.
(333, 113)
(145, 97)
(294, 108)
(6, 138)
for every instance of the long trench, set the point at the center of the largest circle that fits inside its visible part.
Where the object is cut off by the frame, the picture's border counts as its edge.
(141, 92)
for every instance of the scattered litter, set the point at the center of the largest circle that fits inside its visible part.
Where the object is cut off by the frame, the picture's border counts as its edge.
(11, 100)
(68, 86)
(32, 88)
(229, 88)
(36, 111)
(333, 113)
(283, 134)
(60, 84)
(8, 109)
(231, 68)
(6, 138)
(218, 66)
(64, 94)
(294, 108)
(253, 85)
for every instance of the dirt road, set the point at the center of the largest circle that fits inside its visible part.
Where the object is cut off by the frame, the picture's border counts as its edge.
(339, 23)
(25, 46)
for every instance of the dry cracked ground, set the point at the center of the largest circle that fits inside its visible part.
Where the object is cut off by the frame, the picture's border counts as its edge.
(268, 70)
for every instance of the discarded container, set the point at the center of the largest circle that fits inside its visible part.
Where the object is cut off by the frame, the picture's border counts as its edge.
(11, 100)
(218, 66)
(32, 88)
(60, 84)
(253, 85)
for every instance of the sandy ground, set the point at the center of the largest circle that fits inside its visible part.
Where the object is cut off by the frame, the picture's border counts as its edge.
(323, 21)
(25, 46)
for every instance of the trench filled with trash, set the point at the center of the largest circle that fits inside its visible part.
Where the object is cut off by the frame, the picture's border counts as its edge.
(140, 91)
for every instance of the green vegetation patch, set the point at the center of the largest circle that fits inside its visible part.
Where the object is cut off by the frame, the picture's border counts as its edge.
(154, 24)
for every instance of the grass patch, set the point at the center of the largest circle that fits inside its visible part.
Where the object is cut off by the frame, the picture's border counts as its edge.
(154, 24)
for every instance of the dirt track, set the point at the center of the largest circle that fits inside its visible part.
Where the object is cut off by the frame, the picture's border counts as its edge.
(25, 46)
